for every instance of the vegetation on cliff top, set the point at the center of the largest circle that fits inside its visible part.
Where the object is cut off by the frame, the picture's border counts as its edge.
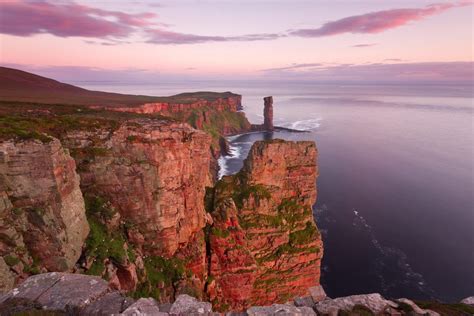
(25, 121)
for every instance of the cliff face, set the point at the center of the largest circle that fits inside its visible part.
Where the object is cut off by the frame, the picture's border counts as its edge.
(216, 115)
(43, 223)
(154, 174)
(144, 184)
(264, 244)
(156, 226)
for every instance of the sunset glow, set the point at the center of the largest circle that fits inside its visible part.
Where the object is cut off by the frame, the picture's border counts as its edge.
(431, 41)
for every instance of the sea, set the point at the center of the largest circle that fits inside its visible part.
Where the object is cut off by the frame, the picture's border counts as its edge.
(396, 182)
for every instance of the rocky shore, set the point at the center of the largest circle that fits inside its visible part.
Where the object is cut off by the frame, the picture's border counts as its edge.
(74, 294)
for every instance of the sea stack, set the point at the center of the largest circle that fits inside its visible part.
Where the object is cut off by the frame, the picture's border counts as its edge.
(268, 114)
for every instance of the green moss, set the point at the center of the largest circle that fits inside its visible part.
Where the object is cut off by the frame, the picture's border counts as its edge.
(17, 211)
(220, 232)
(97, 267)
(161, 271)
(32, 269)
(456, 309)
(257, 191)
(101, 244)
(404, 307)
(11, 260)
(357, 310)
(304, 236)
(99, 207)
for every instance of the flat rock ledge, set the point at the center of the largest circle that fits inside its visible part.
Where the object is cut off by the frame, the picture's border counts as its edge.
(76, 294)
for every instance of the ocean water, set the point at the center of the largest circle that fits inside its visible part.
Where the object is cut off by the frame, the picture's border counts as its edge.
(395, 192)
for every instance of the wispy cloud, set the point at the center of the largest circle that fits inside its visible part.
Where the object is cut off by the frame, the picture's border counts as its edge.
(429, 71)
(294, 67)
(376, 22)
(364, 45)
(394, 59)
(160, 36)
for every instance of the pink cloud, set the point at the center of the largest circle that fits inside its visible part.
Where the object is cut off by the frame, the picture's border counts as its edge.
(364, 45)
(377, 22)
(160, 36)
(65, 20)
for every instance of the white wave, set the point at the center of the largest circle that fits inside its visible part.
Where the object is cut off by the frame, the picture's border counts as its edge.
(391, 254)
(234, 152)
(308, 124)
(222, 161)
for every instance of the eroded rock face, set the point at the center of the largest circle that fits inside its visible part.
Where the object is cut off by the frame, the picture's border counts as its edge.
(144, 184)
(264, 244)
(221, 114)
(268, 114)
(43, 223)
(154, 173)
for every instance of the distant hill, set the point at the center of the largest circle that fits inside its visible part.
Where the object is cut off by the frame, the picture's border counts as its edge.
(21, 86)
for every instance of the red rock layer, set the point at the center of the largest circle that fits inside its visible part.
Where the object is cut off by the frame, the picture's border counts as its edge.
(154, 173)
(232, 104)
(43, 223)
(264, 244)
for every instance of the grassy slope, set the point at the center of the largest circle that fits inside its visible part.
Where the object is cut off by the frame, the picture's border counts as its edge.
(33, 120)
(21, 86)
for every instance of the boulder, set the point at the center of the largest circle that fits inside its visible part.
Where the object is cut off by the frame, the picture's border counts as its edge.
(112, 303)
(144, 306)
(188, 305)
(375, 302)
(304, 301)
(468, 300)
(317, 293)
(280, 309)
(59, 292)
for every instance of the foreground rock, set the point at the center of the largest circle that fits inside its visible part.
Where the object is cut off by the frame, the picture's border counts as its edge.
(375, 302)
(468, 300)
(264, 245)
(73, 294)
(43, 221)
(280, 309)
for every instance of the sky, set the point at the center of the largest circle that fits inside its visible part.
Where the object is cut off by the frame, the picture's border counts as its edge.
(147, 40)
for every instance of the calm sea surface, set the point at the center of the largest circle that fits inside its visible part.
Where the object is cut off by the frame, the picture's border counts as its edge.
(395, 191)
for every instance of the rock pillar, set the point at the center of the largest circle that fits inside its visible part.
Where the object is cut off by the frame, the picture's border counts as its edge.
(268, 114)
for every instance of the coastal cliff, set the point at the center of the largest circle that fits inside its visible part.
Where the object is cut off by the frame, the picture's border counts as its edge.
(264, 243)
(142, 185)
(43, 223)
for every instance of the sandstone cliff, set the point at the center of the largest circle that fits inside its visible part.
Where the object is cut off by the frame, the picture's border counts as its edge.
(143, 183)
(218, 114)
(264, 244)
(42, 217)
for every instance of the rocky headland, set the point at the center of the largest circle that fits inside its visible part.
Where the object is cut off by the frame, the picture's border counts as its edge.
(111, 205)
